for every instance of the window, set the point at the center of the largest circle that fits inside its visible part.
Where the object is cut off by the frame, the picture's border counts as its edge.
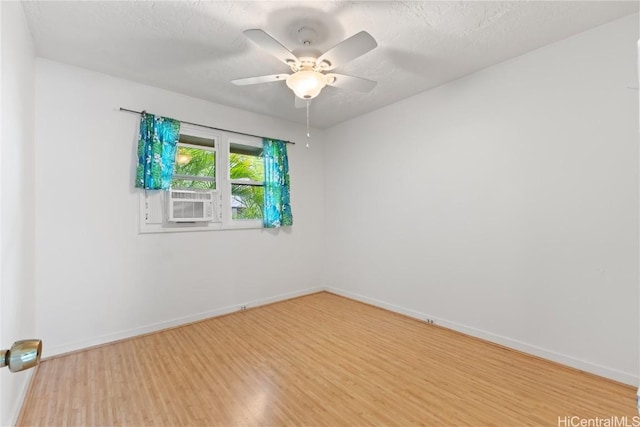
(229, 166)
(195, 166)
(246, 175)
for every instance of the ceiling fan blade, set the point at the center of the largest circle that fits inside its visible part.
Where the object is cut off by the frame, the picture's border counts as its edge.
(347, 50)
(350, 82)
(260, 79)
(271, 45)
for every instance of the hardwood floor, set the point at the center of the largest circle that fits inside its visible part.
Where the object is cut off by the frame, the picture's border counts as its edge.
(318, 360)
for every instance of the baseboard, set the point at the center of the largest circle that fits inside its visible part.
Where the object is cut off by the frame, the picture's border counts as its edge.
(22, 394)
(155, 327)
(593, 368)
(603, 371)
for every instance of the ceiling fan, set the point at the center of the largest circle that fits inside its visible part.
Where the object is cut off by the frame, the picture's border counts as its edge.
(310, 70)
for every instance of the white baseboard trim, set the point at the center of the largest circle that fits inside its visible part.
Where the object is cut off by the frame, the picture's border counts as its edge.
(623, 377)
(603, 371)
(15, 412)
(130, 333)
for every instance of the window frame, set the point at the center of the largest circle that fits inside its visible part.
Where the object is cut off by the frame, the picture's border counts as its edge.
(153, 203)
(227, 216)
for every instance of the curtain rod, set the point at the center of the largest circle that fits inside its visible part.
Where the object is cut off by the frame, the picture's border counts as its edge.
(211, 127)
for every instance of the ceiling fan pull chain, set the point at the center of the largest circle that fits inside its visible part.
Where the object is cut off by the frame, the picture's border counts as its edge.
(308, 134)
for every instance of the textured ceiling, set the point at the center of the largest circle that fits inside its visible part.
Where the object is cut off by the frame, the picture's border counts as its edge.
(197, 47)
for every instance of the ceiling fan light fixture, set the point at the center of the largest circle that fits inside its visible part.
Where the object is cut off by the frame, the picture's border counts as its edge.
(306, 84)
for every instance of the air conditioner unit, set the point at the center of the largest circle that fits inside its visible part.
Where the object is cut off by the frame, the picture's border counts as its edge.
(193, 206)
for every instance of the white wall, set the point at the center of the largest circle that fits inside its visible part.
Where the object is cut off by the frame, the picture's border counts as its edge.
(504, 204)
(97, 278)
(17, 317)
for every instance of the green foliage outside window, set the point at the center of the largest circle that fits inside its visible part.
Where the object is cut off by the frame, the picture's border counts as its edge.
(246, 200)
(194, 162)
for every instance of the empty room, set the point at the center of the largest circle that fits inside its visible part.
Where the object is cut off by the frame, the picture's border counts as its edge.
(319, 213)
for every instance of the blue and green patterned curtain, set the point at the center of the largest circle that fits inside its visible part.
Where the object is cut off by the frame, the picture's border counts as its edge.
(156, 151)
(277, 208)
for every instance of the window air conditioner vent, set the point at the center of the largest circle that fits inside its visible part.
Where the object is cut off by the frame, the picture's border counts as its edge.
(192, 206)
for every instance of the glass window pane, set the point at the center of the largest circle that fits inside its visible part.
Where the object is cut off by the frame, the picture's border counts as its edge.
(246, 162)
(246, 201)
(195, 162)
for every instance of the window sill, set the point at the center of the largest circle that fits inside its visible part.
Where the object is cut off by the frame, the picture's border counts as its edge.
(190, 227)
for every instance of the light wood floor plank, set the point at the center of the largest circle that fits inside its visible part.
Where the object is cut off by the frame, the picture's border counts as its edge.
(319, 360)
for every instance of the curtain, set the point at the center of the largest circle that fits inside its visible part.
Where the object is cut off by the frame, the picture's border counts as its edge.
(156, 151)
(277, 208)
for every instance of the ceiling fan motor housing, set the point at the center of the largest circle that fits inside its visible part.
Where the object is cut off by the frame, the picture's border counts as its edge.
(307, 63)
